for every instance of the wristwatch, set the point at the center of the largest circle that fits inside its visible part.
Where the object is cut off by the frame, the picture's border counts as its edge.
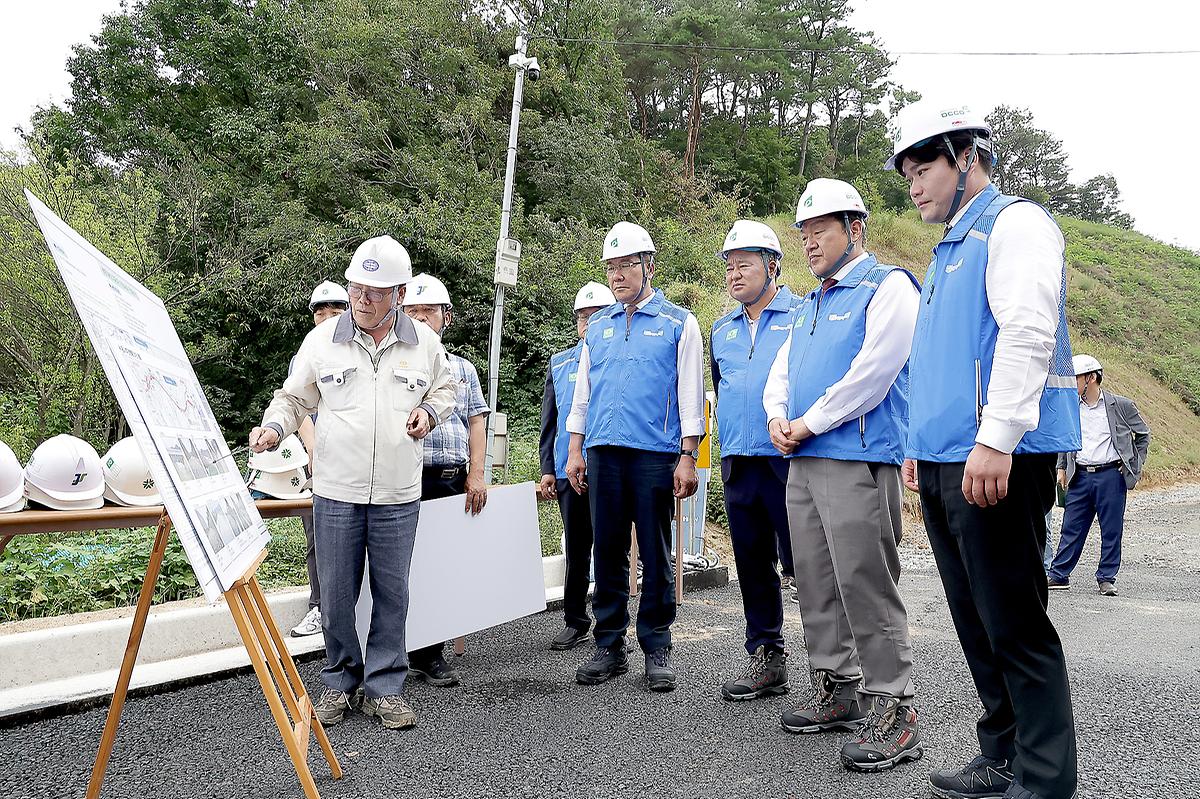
(694, 453)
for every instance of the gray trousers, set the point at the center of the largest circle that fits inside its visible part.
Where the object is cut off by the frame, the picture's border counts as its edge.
(346, 532)
(310, 557)
(845, 525)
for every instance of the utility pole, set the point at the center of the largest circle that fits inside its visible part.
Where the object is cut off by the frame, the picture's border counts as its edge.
(508, 251)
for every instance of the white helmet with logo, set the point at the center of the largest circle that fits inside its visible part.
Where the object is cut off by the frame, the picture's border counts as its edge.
(329, 292)
(746, 234)
(425, 289)
(594, 295)
(1085, 365)
(381, 262)
(12, 481)
(127, 479)
(289, 455)
(64, 473)
(626, 238)
(823, 196)
(291, 484)
(921, 121)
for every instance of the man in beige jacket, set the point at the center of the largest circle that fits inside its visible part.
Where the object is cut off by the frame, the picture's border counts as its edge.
(379, 383)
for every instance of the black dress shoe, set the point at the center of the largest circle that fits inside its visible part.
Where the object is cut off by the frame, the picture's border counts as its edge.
(569, 638)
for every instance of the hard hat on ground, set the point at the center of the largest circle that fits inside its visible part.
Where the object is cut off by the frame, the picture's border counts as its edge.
(12, 481)
(594, 295)
(824, 196)
(921, 121)
(289, 455)
(331, 293)
(1086, 364)
(425, 289)
(64, 473)
(127, 479)
(746, 234)
(381, 262)
(281, 485)
(626, 238)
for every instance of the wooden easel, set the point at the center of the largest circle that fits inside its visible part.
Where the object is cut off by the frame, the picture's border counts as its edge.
(272, 663)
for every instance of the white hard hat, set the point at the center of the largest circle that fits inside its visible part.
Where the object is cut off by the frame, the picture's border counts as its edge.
(1086, 364)
(127, 479)
(289, 455)
(594, 295)
(291, 484)
(746, 234)
(12, 481)
(329, 292)
(828, 196)
(64, 473)
(626, 238)
(922, 120)
(425, 289)
(381, 262)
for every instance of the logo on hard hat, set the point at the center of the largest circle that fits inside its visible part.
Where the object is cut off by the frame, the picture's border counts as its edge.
(370, 265)
(733, 236)
(420, 289)
(613, 243)
(955, 112)
(589, 295)
(148, 484)
(808, 201)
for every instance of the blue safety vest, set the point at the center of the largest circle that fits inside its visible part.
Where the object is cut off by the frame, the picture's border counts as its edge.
(564, 368)
(827, 335)
(955, 341)
(633, 376)
(744, 366)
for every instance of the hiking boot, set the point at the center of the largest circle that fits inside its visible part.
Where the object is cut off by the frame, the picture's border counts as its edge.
(660, 674)
(888, 736)
(1107, 588)
(436, 671)
(1018, 791)
(765, 674)
(831, 704)
(309, 625)
(333, 705)
(1057, 585)
(982, 778)
(392, 710)
(569, 638)
(607, 662)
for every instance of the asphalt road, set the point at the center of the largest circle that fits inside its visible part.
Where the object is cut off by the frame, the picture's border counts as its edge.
(519, 726)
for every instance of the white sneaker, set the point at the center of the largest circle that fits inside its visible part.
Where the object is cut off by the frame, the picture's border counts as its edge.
(309, 625)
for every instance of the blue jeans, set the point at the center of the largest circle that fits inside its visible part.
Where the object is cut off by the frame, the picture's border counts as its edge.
(1092, 494)
(345, 533)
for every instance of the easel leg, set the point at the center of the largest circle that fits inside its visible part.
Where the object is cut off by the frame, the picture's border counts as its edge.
(4, 539)
(131, 649)
(633, 559)
(460, 646)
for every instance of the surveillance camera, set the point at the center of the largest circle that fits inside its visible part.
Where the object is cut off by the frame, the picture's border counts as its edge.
(534, 69)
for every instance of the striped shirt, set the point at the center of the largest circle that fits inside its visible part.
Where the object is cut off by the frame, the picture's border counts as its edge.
(449, 443)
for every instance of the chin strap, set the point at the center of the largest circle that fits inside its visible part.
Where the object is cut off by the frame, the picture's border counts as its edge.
(961, 187)
(841, 261)
(766, 283)
(391, 312)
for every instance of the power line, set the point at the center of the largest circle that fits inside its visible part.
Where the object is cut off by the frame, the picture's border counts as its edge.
(803, 50)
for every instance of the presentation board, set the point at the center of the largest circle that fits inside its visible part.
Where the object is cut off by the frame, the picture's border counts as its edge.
(168, 415)
(469, 572)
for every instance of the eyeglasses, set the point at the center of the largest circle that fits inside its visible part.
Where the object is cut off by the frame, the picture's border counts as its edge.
(356, 292)
(612, 269)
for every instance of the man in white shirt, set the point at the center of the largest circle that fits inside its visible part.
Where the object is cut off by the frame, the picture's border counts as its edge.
(836, 405)
(991, 402)
(1116, 441)
(636, 415)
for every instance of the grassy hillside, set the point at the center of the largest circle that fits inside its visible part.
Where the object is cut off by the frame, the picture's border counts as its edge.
(1132, 302)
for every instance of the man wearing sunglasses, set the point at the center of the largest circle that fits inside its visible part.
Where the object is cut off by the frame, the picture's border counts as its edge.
(992, 400)
(380, 383)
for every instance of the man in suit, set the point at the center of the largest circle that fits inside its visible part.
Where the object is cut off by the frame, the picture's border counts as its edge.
(1097, 478)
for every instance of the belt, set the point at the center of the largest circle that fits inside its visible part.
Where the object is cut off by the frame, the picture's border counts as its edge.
(1100, 467)
(443, 472)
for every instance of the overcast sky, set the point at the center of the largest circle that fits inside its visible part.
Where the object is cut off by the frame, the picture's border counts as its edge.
(1114, 114)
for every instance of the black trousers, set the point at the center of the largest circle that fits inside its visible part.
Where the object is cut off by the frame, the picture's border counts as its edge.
(990, 560)
(435, 486)
(756, 505)
(577, 523)
(632, 488)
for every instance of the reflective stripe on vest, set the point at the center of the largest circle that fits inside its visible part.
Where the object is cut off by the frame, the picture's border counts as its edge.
(827, 335)
(955, 342)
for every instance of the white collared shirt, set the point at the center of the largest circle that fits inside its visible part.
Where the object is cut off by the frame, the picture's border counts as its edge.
(891, 320)
(1098, 446)
(689, 381)
(1023, 280)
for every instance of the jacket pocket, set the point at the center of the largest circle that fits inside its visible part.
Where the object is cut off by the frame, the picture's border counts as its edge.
(408, 387)
(336, 384)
